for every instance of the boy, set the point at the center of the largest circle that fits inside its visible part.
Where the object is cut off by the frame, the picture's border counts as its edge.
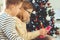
(7, 22)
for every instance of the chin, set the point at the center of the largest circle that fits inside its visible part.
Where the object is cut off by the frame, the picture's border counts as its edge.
(27, 21)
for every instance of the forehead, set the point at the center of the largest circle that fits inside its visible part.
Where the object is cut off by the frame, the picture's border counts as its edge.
(30, 9)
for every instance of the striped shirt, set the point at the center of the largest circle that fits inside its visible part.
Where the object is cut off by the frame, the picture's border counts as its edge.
(8, 28)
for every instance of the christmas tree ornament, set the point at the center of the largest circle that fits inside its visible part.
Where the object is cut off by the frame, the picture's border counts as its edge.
(48, 28)
(54, 35)
(34, 12)
(41, 25)
(48, 18)
(33, 1)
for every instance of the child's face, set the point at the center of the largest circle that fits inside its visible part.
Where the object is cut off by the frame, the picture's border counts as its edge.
(26, 15)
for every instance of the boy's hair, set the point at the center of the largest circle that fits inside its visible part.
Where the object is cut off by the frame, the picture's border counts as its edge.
(12, 2)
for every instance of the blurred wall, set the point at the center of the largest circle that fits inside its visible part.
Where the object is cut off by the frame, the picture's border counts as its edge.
(55, 4)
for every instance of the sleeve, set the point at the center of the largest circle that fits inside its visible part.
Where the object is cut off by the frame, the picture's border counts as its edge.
(34, 34)
(8, 27)
(30, 35)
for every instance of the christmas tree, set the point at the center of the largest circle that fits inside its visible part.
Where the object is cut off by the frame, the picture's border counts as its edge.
(42, 16)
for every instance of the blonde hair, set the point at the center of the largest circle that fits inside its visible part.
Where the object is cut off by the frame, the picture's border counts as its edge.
(26, 5)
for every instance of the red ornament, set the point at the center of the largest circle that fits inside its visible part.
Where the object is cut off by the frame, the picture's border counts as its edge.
(48, 28)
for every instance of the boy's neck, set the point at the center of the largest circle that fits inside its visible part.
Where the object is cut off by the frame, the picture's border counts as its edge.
(9, 12)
